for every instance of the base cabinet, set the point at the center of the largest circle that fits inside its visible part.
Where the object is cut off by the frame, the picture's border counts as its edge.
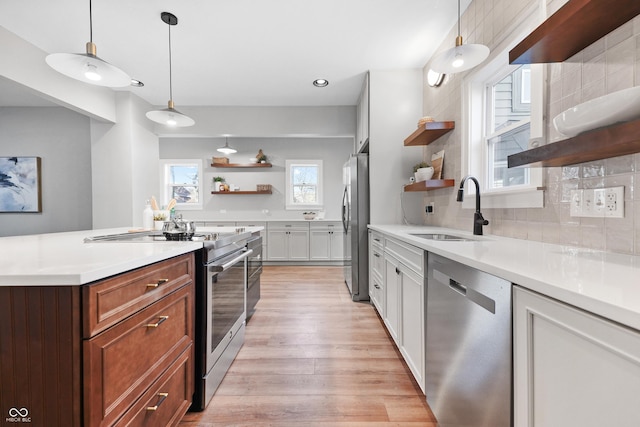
(101, 354)
(405, 301)
(288, 242)
(326, 242)
(376, 272)
(572, 368)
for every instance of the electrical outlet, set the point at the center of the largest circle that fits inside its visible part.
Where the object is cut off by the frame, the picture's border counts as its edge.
(614, 202)
(430, 208)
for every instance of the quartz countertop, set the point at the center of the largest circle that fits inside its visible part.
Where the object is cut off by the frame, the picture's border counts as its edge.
(64, 259)
(603, 283)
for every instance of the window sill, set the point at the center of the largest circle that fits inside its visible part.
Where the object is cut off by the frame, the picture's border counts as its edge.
(508, 199)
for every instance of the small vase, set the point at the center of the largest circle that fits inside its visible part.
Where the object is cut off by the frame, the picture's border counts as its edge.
(424, 174)
(217, 185)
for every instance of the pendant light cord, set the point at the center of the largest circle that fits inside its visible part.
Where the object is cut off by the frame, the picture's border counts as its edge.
(458, 17)
(90, 23)
(170, 72)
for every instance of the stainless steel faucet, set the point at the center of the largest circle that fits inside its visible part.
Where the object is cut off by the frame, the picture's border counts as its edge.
(478, 219)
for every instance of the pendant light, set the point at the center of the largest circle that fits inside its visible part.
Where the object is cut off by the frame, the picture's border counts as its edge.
(87, 67)
(226, 149)
(170, 116)
(460, 58)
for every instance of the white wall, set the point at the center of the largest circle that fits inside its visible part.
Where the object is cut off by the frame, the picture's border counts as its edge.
(395, 107)
(125, 164)
(61, 138)
(333, 151)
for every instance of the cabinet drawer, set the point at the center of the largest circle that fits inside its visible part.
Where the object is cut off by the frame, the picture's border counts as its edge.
(166, 402)
(112, 300)
(377, 260)
(123, 361)
(410, 255)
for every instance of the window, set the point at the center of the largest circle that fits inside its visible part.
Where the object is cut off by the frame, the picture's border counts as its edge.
(503, 115)
(304, 184)
(508, 127)
(182, 180)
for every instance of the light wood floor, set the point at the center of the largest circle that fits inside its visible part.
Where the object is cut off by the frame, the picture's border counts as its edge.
(312, 357)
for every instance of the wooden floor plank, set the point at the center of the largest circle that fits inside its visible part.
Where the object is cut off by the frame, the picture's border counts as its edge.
(314, 358)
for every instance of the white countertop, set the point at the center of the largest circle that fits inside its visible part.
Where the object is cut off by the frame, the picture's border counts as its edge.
(64, 258)
(603, 283)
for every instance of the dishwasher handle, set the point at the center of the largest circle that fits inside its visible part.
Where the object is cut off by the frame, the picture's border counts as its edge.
(465, 291)
(458, 287)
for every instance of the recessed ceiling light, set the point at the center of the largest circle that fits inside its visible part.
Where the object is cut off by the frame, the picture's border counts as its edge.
(320, 83)
(136, 83)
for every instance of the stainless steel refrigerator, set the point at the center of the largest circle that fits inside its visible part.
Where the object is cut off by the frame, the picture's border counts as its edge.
(355, 218)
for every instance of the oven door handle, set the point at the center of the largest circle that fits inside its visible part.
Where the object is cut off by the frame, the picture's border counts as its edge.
(222, 267)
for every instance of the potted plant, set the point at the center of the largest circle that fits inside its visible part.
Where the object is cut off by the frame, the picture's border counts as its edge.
(423, 171)
(217, 181)
(261, 157)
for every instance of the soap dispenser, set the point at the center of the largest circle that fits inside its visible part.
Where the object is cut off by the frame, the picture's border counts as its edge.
(147, 216)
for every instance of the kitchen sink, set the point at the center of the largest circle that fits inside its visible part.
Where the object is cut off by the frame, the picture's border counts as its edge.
(444, 237)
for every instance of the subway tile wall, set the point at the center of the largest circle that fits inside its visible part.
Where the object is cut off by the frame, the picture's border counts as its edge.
(608, 65)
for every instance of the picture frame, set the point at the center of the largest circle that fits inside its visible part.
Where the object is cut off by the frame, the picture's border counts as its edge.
(20, 185)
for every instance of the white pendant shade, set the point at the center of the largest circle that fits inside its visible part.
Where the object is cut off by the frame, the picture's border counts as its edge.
(459, 58)
(226, 149)
(89, 69)
(170, 117)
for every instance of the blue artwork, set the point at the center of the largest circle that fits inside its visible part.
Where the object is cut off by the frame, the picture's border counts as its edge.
(20, 184)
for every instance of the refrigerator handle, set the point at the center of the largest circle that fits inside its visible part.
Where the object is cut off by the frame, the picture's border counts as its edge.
(345, 210)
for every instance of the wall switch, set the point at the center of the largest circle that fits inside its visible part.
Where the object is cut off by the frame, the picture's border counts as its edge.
(575, 209)
(588, 197)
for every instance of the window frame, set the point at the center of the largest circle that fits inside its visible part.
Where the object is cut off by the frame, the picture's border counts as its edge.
(165, 186)
(289, 203)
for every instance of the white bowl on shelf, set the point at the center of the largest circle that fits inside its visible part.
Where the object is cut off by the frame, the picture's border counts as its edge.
(616, 107)
(424, 174)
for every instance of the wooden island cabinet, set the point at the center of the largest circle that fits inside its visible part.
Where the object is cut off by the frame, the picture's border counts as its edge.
(115, 352)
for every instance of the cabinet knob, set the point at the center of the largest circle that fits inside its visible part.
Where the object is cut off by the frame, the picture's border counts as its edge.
(397, 270)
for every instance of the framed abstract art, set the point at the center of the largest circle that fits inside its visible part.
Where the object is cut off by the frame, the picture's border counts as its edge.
(20, 187)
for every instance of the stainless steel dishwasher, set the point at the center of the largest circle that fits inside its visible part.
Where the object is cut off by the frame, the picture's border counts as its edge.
(468, 346)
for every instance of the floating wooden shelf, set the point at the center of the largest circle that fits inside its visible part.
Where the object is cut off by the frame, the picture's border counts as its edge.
(573, 27)
(241, 165)
(429, 132)
(431, 184)
(597, 144)
(241, 192)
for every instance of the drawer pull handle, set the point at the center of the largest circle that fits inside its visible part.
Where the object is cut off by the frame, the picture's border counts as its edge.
(158, 283)
(163, 397)
(158, 323)
(377, 255)
(376, 286)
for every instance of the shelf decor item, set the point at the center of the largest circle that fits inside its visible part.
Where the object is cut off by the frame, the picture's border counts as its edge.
(220, 160)
(263, 187)
(20, 186)
(423, 171)
(261, 157)
(309, 215)
(615, 107)
(437, 161)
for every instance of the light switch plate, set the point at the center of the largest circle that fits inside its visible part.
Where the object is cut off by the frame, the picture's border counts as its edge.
(597, 202)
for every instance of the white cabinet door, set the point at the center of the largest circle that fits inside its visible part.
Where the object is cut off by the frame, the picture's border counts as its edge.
(336, 244)
(393, 280)
(572, 368)
(278, 249)
(299, 245)
(319, 245)
(412, 311)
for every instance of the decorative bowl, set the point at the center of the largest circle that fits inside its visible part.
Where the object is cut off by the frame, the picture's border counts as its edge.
(309, 215)
(620, 106)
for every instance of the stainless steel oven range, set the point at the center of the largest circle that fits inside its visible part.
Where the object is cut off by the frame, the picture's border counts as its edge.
(220, 310)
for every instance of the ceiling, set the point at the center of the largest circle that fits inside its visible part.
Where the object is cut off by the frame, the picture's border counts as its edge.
(239, 52)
